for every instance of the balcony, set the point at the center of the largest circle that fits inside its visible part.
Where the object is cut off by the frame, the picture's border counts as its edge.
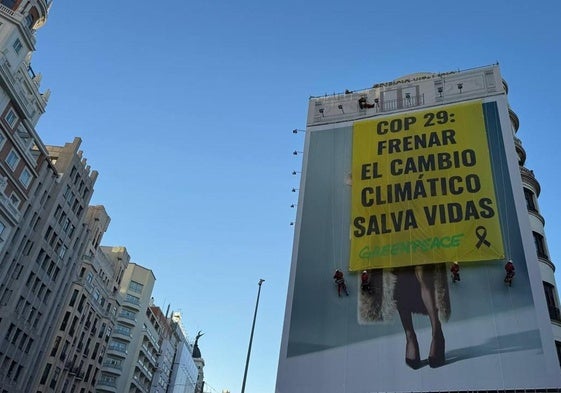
(117, 351)
(106, 385)
(7, 10)
(138, 383)
(529, 178)
(123, 334)
(132, 303)
(152, 339)
(112, 367)
(149, 354)
(146, 369)
(128, 318)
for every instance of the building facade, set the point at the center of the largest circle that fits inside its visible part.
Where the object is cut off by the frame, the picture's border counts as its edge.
(41, 260)
(74, 315)
(87, 319)
(399, 181)
(186, 376)
(132, 347)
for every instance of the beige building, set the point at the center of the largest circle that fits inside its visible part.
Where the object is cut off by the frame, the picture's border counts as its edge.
(133, 346)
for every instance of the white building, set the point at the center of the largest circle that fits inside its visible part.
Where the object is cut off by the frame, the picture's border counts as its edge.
(398, 181)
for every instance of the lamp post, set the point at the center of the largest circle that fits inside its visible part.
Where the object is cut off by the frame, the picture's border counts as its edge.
(251, 336)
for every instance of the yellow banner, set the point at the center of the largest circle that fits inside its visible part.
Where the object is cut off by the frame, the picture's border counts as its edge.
(422, 190)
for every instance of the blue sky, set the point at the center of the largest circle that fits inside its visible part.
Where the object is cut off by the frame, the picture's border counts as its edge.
(186, 109)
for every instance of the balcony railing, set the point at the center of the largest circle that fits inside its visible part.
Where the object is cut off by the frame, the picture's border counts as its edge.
(112, 365)
(123, 332)
(117, 348)
(127, 316)
(104, 382)
(7, 10)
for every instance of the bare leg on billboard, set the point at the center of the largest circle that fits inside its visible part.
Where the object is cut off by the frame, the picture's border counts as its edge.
(425, 278)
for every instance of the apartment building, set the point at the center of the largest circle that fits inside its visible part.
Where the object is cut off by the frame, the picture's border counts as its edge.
(87, 319)
(39, 263)
(132, 347)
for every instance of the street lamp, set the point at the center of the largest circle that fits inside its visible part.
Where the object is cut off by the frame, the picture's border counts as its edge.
(251, 336)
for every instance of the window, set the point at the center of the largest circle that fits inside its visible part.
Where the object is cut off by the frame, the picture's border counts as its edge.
(59, 214)
(118, 346)
(17, 45)
(67, 192)
(549, 291)
(48, 233)
(15, 200)
(2, 140)
(54, 380)
(30, 20)
(540, 245)
(66, 225)
(25, 177)
(120, 329)
(29, 344)
(62, 251)
(54, 350)
(65, 321)
(136, 287)
(530, 201)
(12, 159)
(62, 216)
(45, 374)
(11, 118)
(132, 299)
(73, 298)
(10, 331)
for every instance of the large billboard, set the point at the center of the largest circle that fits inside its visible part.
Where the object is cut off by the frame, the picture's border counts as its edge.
(388, 204)
(422, 190)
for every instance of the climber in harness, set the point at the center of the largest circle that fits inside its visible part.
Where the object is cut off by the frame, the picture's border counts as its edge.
(509, 269)
(365, 281)
(340, 281)
(455, 270)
